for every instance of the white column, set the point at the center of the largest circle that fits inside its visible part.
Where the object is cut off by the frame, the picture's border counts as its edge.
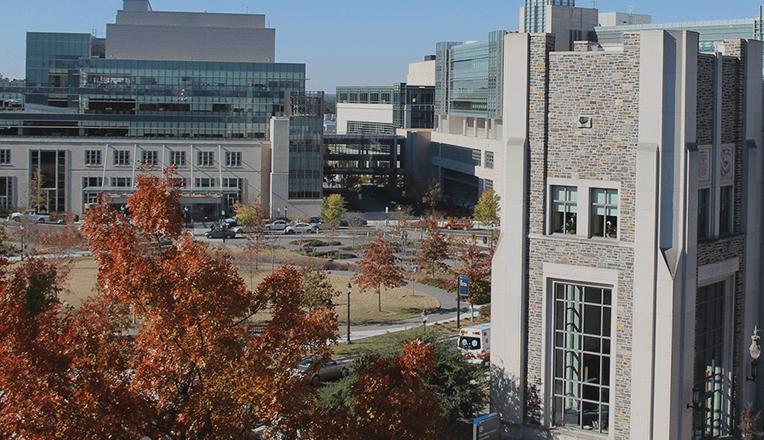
(509, 265)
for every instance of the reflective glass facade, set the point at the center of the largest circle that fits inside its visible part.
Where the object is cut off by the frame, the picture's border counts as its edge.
(305, 142)
(413, 106)
(475, 73)
(144, 98)
(73, 90)
(711, 33)
(535, 13)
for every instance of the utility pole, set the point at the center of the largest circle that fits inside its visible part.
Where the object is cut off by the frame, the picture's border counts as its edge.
(350, 290)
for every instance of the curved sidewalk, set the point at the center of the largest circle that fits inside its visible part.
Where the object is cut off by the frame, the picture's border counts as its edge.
(445, 313)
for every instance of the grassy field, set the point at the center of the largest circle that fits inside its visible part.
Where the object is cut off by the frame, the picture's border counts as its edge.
(396, 303)
(390, 342)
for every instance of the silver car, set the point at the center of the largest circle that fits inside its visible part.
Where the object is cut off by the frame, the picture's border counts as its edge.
(301, 228)
(278, 225)
(317, 373)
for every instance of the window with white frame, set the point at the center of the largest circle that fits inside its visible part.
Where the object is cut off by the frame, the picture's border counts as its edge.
(178, 158)
(205, 158)
(232, 182)
(150, 158)
(91, 198)
(582, 356)
(92, 182)
(604, 217)
(489, 159)
(564, 209)
(6, 192)
(704, 213)
(5, 157)
(726, 208)
(232, 159)
(121, 182)
(122, 158)
(93, 157)
(712, 368)
(205, 182)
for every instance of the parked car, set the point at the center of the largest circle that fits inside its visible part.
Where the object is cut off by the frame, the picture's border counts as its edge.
(301, 228)
(277, 225)
(30, 215)
(316, 221)
(418, 224)
(459, 223)
(220, 232)
(329, 371)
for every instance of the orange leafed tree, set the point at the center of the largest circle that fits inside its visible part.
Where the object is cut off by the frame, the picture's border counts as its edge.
(390, 399)
(434, 249)
(378, 268)
(476, 264)
(191, 368)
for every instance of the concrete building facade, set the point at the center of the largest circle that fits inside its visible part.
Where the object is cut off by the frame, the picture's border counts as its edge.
(626, 280)
(203, 84)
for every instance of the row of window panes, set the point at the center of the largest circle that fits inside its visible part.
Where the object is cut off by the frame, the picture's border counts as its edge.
(233, 159)
(726, 210)
(604, 211)
(200, 182)
(582, 364)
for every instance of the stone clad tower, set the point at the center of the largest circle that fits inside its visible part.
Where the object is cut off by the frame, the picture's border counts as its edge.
(626, 281)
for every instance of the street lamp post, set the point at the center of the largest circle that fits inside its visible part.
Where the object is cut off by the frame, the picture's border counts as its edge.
(755, 352)
(22, 241)
(349, 290)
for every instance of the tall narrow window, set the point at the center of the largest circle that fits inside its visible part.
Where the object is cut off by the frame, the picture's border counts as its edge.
(712, 369)
(582, 351)
(704, 204)
(489, 159)
(725, 210)
(604, 213)
(564, 209)
(6, 192)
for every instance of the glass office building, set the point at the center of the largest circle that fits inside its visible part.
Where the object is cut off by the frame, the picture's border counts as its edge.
(412, 106)
(78, 93)
(711, 32)
(472, 75)
(534, 13)
(208, 114)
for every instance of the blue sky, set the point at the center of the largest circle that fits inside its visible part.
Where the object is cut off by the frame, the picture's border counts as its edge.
(343, 42)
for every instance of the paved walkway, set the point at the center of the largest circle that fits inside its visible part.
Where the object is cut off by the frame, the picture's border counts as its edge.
(446, 313)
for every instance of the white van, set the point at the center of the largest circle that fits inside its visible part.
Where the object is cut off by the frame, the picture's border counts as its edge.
(475, 343)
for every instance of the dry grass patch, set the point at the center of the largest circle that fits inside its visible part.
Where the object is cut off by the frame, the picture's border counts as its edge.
(397, 304)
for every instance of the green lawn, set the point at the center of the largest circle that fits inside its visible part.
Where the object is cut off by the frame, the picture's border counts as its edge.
(390, 342)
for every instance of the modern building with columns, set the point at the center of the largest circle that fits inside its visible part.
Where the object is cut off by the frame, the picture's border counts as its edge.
(626, 282)
(199, 91)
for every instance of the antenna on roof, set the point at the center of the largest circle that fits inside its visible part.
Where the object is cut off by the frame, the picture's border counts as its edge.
(594, 4)
(631, 9)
